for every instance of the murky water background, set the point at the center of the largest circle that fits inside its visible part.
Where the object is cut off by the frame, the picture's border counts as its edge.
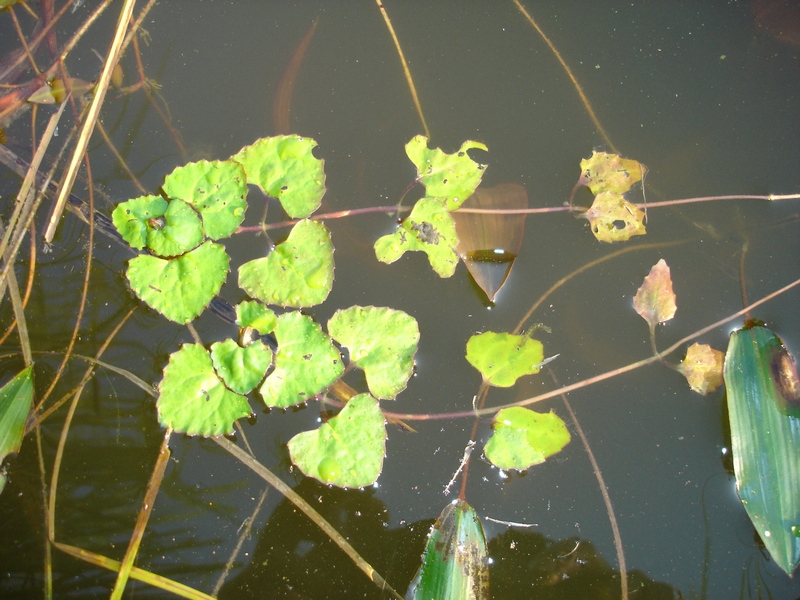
(696, 91)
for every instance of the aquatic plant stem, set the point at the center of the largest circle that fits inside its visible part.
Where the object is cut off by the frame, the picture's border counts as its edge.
(406, 70)
(572, 77)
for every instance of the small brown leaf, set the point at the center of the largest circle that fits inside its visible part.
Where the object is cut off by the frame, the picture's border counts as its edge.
(702, 368)
(614, 219)
(655, 300)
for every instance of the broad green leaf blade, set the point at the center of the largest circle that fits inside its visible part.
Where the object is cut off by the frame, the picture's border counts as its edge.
(429, 228)
(604, 172)
(216, 189)
(134, 218)
(254, 314)
(523, 438)
(193, 400)
(655, 300)
(765, 439)
(285, 168)
(177, 232)
(489, 243)
(613, 219)
(451, 176)
(180, 288)
(348, 450)
(16, 402)
(702, 368)
(297, 273)
(455, 564)
(502, 358)
(382, 341)
(242, 369)
(306, 363)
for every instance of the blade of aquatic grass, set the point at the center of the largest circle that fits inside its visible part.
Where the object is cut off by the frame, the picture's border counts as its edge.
(308, 510)
(91, 118)
(19, 309)
(16, 399)
(144, 515)
(163, 583)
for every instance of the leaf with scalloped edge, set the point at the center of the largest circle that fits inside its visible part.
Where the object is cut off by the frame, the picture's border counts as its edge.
(429, 228)
(180, 288)
(285, 168)
(382, 342)
(193, 399)
(502, 358)
(252, 313)
(613, 219)
(702, 367)
(348, 450)
(523, 438)
(241, 368)
(306, 362)
(604, 172)
(217, 189)
(451, 176)
(135, 217)
(655, 300)
(297, 273)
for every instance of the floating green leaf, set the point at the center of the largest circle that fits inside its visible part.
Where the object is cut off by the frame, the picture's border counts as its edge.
(16, 401)
(455, 564)
(216, 189)
(242, 369)
(613, 219)
(136, 217)
(451, 176)
(348, 450)
(306, 363)
(604, 172)
(297, 273)
(180, 288)
(702, 368)
(762, 390)
(192, 398)
(655, 300)
(523, 438)
(254, 314)
(429, 228)
(502, 358)
(382, 341)
(285, 168)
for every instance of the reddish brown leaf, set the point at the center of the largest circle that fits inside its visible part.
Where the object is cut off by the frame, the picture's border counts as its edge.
(655, 300)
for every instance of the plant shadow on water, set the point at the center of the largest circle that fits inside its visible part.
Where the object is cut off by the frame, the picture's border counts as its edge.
(707, 96)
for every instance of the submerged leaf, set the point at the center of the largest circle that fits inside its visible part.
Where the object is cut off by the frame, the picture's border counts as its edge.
(382, 341)
(429, 228)
(16, 402)
(655, 300)
(348, 450)
(306, 363)
(604, 172)
(284, 167)
(455, 564)
(523, 438)
(702, 368)
(489, 243)
(193, 400)
(450, 176)
(502, 358)
(765, 439)
(613, 219)
(297, 273)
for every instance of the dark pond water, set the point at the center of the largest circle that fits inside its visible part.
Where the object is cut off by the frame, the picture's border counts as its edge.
(697, 91)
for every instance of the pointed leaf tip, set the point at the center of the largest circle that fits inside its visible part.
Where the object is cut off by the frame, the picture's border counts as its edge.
(655, 300)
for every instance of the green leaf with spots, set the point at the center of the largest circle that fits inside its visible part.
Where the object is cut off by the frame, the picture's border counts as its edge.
(502, 358)
(192, 398)
(216, 189)
(242, 369)
(348, 450)
(136, 217)
(285, 168)
(451, 176)
(177, 232)
(297, 273)
(306, 362)
(523, 438)
(251, 313)
(180, 288)
(382, 341)
(429, 228)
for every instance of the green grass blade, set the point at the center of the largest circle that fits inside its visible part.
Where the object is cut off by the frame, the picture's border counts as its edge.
(16, 400)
